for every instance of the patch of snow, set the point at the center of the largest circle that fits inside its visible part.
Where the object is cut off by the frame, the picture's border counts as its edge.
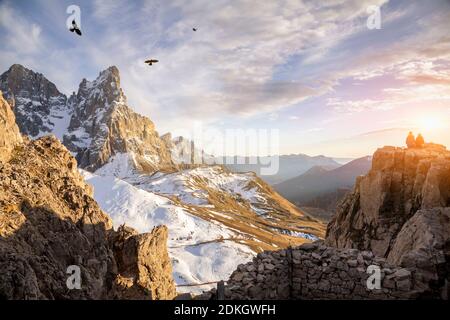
(297, 234)
(214, 262)
(121, 165)
(61, 120)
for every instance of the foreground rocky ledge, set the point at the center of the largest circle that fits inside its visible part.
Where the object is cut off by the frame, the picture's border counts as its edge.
(49, 221)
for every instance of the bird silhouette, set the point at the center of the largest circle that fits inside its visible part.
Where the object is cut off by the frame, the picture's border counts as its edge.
(151, 61)
(75, 28)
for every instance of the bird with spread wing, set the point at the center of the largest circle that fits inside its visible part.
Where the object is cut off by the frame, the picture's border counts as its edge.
(75, 28)
(151, 61)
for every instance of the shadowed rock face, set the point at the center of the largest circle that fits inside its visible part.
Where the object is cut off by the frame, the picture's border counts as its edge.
(424, 244)
(49, 221)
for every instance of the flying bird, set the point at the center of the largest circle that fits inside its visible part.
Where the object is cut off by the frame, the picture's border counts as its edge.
(75, 28)
(194, 29)
(151, 61)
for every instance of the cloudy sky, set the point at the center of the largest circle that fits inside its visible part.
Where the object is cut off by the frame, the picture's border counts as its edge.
(312, 70)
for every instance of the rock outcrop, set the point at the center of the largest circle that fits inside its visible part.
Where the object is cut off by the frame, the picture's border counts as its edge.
(10, 135)
(424, 244)
(400, 211)
(49, 221)
(401, 182)
(184, 151)
(103, 125)
(143, 263)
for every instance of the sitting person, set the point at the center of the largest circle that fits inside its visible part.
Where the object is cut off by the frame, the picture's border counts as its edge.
(410, 140)
(420, 141)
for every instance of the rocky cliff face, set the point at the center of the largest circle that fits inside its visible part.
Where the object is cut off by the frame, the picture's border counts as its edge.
(184, 151)
(10, 135)
(49, 221)
(401, 182)
(400, 211)
(103, 125)
(38, 105)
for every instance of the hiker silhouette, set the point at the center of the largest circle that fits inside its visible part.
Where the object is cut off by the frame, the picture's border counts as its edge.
(410, 140)
(420, 141)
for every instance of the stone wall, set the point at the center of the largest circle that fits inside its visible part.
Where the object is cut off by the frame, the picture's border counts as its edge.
(314, 271)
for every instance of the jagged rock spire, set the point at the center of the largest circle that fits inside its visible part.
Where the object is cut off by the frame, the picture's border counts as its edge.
(37, 103)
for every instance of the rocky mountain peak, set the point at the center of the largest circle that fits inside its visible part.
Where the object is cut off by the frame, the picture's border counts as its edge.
(104, 91)
(38, 105)
(23, 82)
(108, 78)
(103, 125)
(112, 72)
(94, 124)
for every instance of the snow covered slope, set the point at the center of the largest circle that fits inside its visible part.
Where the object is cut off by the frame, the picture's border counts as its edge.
(199, 249)
(216, 219)
(242, 201)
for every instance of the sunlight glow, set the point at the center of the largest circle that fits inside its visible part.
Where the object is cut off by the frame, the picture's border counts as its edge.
(430, 123)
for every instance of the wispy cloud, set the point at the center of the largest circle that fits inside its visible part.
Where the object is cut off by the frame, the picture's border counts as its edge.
(20, 35)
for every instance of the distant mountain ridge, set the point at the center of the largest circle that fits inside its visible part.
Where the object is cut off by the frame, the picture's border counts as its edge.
(290, 166)
(319, 182)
